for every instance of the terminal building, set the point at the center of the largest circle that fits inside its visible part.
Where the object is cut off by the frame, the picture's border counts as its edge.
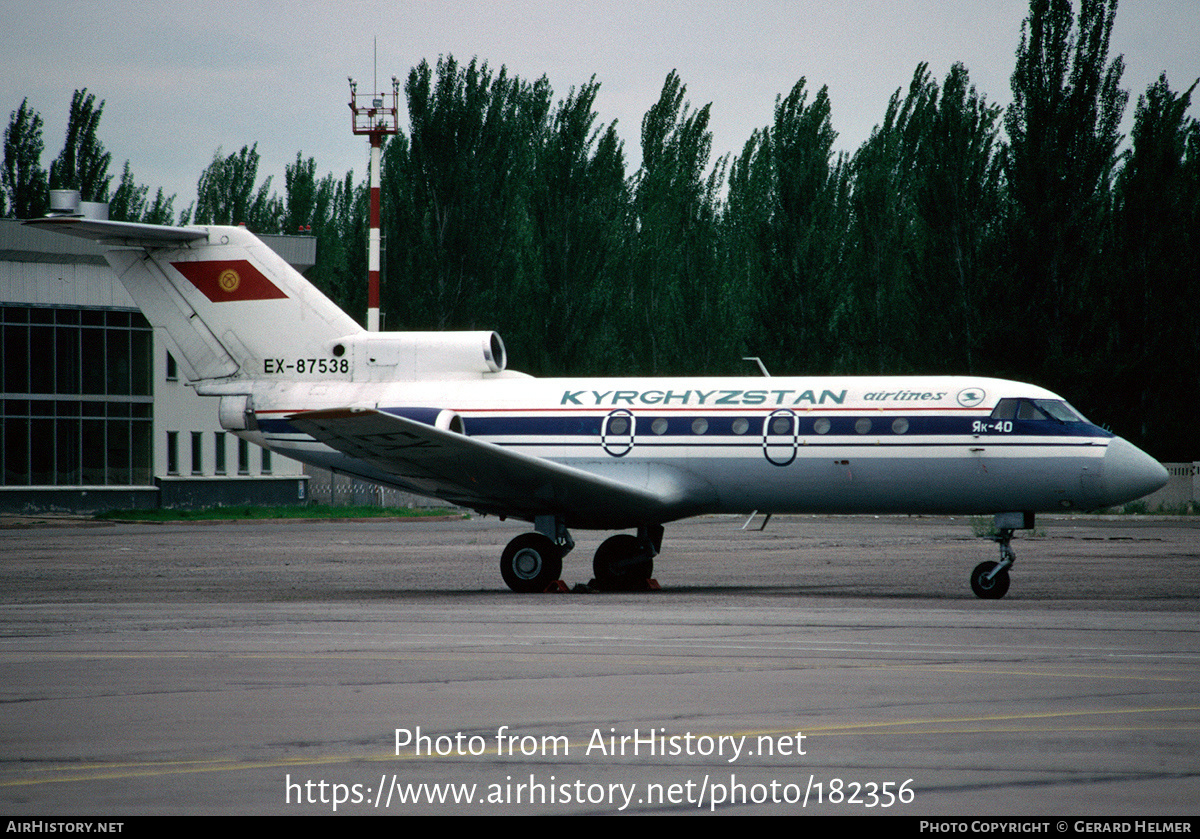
(93, 413)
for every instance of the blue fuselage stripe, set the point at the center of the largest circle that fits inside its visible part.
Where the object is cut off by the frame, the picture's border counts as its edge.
(731, 429)
(649, 428)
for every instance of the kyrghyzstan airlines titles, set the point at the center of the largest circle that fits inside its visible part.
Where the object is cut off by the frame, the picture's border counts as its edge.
(736, 397)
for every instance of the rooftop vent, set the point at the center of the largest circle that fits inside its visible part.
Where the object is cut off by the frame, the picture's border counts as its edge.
(65, 202)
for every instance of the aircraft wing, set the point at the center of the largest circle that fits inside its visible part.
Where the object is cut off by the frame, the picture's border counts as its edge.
(494, 479)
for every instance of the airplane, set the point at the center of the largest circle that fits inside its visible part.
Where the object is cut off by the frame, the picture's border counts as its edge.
(439, 414)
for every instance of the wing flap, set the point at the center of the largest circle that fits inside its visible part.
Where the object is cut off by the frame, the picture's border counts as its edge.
(492, 478)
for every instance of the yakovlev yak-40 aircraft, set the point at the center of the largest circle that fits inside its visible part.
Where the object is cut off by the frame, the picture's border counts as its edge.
(438, 414)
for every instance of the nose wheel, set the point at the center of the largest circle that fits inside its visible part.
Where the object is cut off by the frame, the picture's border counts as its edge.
(990, 580)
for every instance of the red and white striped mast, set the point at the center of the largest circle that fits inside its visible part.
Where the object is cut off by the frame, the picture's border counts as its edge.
(375, 121)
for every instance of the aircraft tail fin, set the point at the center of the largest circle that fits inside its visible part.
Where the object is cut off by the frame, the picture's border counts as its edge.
(232, 306)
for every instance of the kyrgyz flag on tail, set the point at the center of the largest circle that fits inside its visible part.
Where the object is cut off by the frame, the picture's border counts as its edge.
(229, 280)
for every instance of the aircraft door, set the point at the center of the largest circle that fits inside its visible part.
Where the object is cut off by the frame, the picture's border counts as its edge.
(780, 434)
(616, 433)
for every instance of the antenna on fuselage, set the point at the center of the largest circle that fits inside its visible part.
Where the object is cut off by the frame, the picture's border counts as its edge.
(759, 362)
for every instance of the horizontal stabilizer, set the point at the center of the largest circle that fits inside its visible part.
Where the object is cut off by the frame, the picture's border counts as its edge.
(231, 305)
(119, 233)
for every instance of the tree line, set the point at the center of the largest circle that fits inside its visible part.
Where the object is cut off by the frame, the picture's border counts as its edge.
(1031, 242)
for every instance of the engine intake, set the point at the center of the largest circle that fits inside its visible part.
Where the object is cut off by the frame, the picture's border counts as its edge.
(391, 356)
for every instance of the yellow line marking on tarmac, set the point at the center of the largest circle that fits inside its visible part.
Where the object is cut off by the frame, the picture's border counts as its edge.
(73, 773)
(987, 671)
(740, 662)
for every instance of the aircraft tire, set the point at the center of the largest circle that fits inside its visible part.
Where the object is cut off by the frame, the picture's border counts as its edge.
(992, 589)
(622, 563)
(530, 562)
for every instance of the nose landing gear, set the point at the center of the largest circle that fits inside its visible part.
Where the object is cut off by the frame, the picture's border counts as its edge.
(990, 580)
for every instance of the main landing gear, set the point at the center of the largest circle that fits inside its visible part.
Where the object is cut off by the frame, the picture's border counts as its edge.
(625, 562)
(533, 561)
(990, 580)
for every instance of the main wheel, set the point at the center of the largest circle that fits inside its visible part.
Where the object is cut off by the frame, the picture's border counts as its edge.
(992, 589)
(622, 562)
(530, 563)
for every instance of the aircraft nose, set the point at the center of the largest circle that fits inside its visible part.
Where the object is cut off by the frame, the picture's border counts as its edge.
(1130, 473)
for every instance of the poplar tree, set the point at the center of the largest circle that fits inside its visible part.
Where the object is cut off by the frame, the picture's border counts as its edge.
(1153, 327)
(579, 207)
(83, 163)
(24, 179)
(958, 202)
(460, 231)
(1063, 138)
(225, 193)
(885, 236)
(674, 291)
(128, 202)
(783, 226)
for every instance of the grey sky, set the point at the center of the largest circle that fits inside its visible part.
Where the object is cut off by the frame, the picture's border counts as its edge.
(180, 80)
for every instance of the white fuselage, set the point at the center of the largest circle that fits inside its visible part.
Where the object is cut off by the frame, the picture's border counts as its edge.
(779, 444)
(438, 414)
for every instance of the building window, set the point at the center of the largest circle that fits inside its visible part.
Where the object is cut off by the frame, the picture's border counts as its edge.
(77, 397)
(243, 457)
(197, 453)
(266, 461)
(172, 452)
(219, 452)
(172, 369)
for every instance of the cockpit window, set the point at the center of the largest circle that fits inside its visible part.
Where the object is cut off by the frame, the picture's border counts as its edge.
(1060, 411)
(1029, 411)
(1035, 409)
(1005, 409)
